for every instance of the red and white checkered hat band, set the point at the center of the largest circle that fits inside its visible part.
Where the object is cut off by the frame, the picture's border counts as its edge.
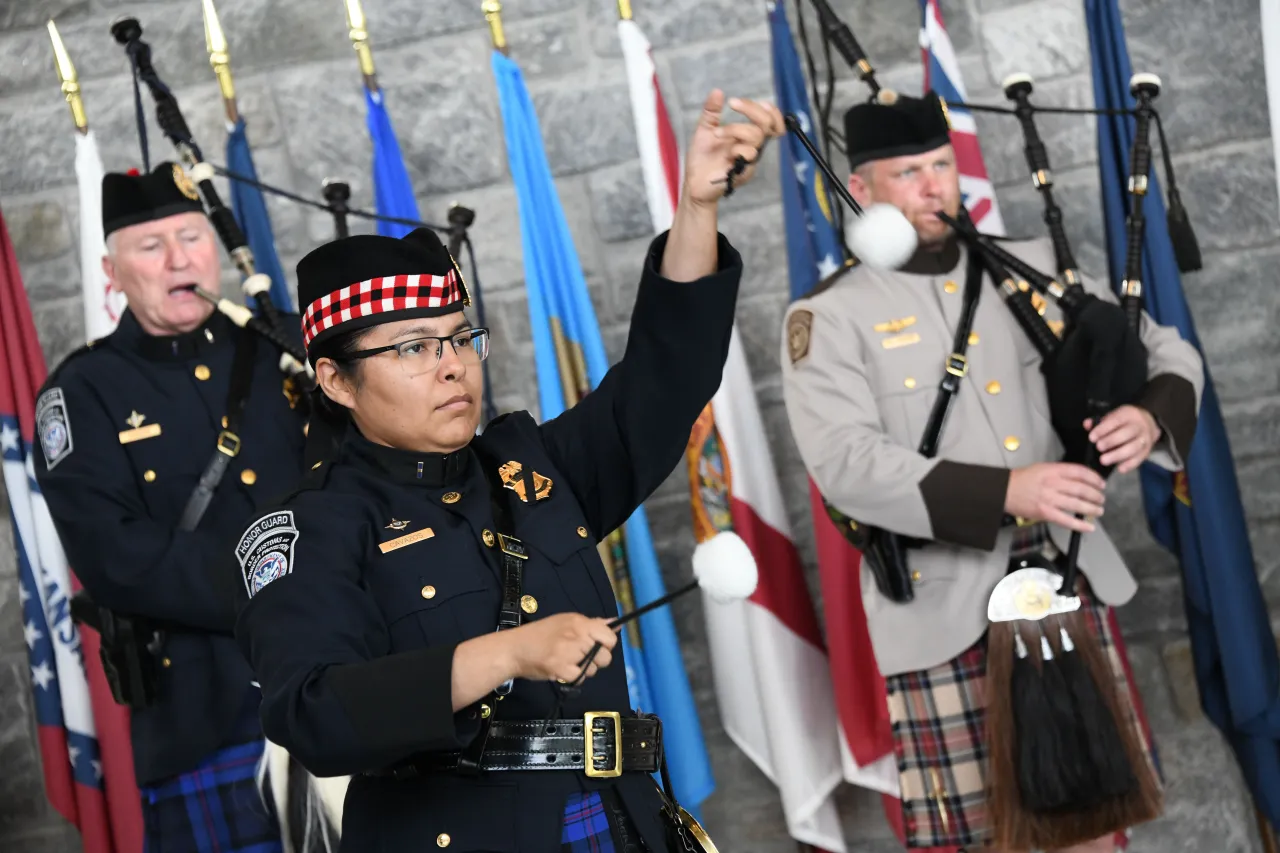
(377, 296)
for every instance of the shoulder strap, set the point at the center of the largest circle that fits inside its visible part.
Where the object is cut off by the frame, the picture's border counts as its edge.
(513, 557)
(957, 364)
(242, 369)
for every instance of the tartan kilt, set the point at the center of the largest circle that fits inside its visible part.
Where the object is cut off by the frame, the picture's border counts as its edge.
(596, 822)
(215, 808)
(938, 720)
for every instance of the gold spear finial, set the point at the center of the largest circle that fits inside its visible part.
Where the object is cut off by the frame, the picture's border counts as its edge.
(359, 35)
(624, 9)
(220, 58)
(67, 77)
(493, 14)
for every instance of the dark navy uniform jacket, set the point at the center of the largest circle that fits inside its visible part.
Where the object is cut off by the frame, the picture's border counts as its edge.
(353, 642)
(116, 503)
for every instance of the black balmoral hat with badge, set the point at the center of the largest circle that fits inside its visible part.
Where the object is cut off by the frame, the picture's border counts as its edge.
(128, 199)
(898, 126)
(367, 279)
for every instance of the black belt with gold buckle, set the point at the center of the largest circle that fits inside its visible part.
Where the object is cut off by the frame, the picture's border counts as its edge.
(602, 744)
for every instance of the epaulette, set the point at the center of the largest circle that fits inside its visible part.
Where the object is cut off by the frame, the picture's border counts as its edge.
(834, 277)
(313, 480)
(70, 357)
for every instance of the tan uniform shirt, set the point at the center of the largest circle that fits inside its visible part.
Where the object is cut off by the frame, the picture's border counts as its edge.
(862, 360)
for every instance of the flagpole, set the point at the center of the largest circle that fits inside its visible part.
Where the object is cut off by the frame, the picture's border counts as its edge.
(358, 32)
(493, 14)
(68, 79)
(220, 58)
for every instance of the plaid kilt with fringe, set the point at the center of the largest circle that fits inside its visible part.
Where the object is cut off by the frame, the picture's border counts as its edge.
(938, 720)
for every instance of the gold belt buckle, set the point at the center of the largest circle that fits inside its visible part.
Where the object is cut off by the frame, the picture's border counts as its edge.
(589, 718)
(513, 547)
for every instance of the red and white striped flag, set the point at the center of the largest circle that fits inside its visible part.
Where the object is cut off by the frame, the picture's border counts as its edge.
(942, 75)
(769, 665)
(659, 154)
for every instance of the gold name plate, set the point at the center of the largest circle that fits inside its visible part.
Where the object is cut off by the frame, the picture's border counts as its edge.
(416, 536)
(900, 341)
(129, 436)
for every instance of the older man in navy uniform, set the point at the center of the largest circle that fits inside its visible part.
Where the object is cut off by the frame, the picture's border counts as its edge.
(129, 425)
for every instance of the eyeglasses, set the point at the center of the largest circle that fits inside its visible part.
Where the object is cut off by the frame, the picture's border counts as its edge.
(421, 355)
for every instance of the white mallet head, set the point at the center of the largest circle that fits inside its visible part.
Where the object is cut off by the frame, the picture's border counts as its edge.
(882, 237)
(725, 568)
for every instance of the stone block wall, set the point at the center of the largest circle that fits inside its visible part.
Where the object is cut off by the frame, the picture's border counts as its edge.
(299, 89)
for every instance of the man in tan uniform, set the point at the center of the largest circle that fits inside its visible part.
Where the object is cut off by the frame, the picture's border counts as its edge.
(863, 357)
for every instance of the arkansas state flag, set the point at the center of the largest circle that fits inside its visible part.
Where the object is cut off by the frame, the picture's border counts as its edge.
(69, 751)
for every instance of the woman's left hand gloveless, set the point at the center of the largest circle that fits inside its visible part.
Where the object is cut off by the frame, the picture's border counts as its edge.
(715, 146)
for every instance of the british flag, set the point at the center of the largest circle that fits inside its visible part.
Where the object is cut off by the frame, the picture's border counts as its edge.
(942, 74)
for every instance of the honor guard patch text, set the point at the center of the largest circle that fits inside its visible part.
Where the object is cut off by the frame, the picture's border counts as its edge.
(265, 551)
(53, 427)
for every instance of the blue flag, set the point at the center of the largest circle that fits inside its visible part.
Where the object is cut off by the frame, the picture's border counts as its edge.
(813, 246)
(392, 189)
(250, 210)
(559, 304)
(1198, 516)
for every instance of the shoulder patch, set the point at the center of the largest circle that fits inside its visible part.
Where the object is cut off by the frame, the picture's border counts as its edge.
(799, 322)
(53, 427)
(265, 551)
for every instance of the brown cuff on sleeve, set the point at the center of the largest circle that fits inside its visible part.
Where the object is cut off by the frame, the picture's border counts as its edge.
(965, 503)
(402, 702)
(1171, 400)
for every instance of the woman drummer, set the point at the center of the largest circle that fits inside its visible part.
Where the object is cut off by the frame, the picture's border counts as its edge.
(416, 609)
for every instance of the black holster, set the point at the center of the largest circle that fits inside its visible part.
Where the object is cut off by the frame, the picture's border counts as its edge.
(130, 651)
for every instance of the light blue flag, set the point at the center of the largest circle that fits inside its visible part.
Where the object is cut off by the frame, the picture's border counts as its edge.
(557, 291)
(250, 210)
(392, 189)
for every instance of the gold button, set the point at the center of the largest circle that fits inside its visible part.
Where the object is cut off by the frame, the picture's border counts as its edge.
(915, 576)
(224, 421)
(451, 498)
(487, 536)
(950, 287)
(248, 477)
(166, 663)
(973, 338)
(443, 839)
(1011, 443)
(485, 711)
(149, 476)
(993, 387)
(317, 465)
(428, 591)
(202, 372)
(909, 382)
(528, 604)
(582, 531)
